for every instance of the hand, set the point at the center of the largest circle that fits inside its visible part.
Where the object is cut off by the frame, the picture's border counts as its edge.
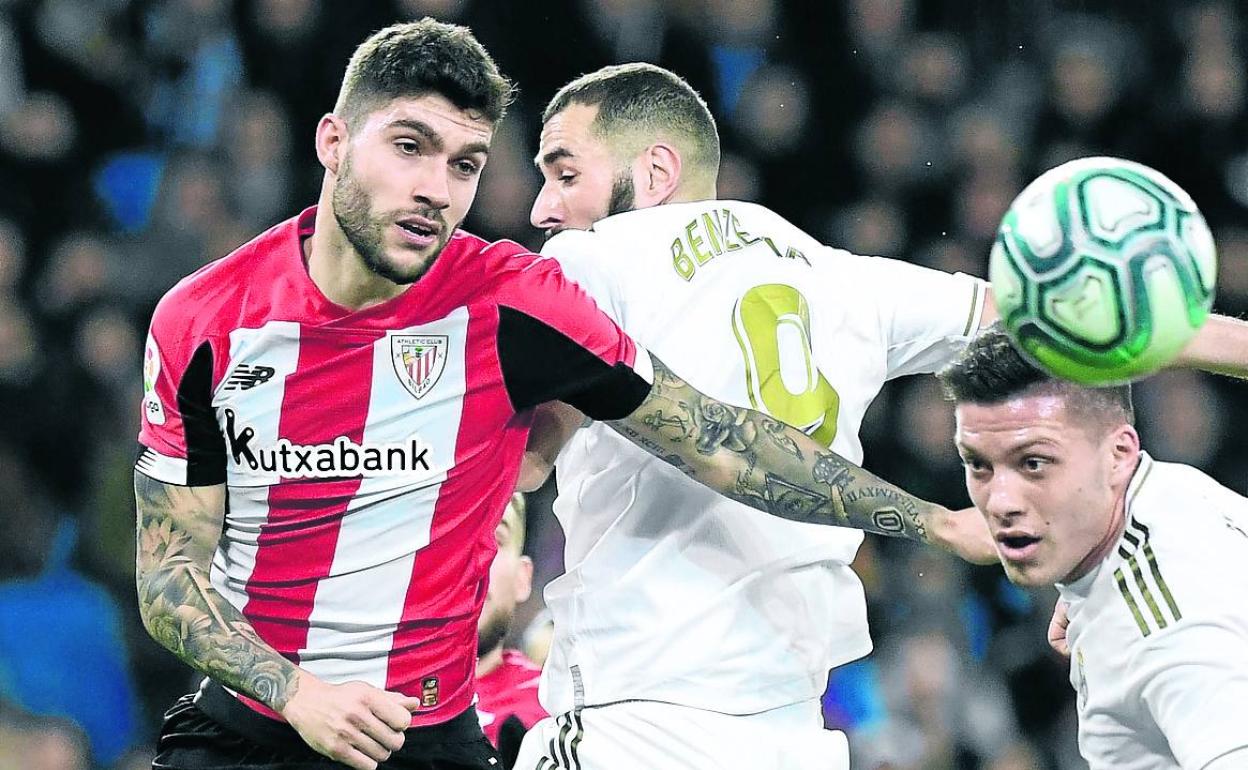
(353, 723)
(966, 535)
(1057, 629)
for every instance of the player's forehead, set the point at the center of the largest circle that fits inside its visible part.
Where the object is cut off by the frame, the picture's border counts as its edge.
(569, 134)
(1005, 427)
(432, 114)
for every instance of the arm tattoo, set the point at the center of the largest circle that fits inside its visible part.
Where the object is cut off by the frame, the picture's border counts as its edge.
(178, 528)
(757, 460)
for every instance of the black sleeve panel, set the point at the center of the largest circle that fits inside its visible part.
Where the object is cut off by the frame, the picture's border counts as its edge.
(542, 364)
(205, 446)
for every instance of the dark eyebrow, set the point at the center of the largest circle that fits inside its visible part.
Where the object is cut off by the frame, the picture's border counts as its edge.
(559, 153)
(422, 128)
(435, 140)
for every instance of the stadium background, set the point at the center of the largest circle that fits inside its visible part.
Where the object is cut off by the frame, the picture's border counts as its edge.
(142, 138)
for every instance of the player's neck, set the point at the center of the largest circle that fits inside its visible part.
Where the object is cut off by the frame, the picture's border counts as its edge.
(1117, 523)
(338, 270)
(490, 660)
(692, 193)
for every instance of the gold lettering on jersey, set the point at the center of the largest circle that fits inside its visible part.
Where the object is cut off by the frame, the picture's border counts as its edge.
(695, 244)
(714, 233)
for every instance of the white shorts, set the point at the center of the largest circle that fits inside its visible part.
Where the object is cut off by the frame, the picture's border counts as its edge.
(663, 736)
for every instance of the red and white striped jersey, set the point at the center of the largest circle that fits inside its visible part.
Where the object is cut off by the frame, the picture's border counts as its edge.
(509, 692)
(369, 454)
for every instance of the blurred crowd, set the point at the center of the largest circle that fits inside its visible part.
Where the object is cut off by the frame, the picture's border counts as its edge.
(140, 139)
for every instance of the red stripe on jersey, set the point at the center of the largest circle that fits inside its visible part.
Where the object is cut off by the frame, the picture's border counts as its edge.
(327, 396)
(489, 460)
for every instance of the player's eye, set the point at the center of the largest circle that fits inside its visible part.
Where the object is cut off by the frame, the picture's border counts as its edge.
(467, 167)
(1035, 464)
(407, 147)
(567, 177)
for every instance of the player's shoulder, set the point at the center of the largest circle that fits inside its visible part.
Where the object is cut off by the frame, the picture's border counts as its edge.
(487, 262)
(507, 273)
(1182, 508)
(578, 244)
(1187, 535)
(211, 298)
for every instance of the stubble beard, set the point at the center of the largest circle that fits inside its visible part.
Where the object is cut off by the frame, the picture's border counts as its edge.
(491, 635)
(353, 210)
(623, 194)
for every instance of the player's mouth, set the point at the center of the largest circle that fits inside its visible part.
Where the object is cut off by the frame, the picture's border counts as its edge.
(419, 231)
(1014, 545)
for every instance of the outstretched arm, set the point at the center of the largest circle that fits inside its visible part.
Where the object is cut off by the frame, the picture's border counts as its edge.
(764, 463)
(1221, 346)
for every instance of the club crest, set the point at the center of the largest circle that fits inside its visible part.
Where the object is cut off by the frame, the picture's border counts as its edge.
(418, 360)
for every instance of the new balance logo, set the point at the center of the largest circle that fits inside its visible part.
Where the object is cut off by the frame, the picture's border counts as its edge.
(246, 377)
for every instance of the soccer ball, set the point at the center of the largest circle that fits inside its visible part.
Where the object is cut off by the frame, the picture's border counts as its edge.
(1102, 270)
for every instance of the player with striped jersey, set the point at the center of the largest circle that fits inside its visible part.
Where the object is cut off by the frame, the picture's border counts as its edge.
(334, 417)
(1151, 557)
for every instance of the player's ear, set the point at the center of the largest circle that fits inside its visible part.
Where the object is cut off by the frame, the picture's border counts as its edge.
(1125, 451)
(524, 579)
(662, 165)
(331, 141)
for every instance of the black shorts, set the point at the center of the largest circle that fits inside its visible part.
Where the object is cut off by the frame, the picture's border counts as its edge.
(214, 730)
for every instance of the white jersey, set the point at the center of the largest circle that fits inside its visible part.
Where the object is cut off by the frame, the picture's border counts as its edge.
(1159, 631)
(673, 593)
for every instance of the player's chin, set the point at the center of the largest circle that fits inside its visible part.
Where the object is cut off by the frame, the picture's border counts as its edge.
(1028, 572)
(407, 265)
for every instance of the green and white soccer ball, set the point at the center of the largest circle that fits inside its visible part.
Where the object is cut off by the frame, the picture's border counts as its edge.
(1103, 270)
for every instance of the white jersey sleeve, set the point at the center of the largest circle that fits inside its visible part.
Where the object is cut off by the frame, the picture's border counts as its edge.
(925, 316)
(1198, 693)
(1196, 688)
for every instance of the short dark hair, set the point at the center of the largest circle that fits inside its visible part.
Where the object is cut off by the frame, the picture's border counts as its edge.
(423, 57)
(643, 97)
(992, 370)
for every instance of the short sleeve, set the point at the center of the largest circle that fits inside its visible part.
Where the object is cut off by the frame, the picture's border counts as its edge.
(926, 316)
(555, 344)
(180, 439)
(1197, 689)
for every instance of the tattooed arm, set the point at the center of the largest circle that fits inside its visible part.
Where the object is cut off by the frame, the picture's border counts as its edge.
(178, 529)
(764, 463)
(178, 532)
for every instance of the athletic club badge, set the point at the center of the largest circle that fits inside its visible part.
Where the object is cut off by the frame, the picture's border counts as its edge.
(418, 360)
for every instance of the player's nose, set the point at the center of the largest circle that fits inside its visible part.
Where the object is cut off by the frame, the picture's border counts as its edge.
(431, 186)
(547, 213)
(1004, 501)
